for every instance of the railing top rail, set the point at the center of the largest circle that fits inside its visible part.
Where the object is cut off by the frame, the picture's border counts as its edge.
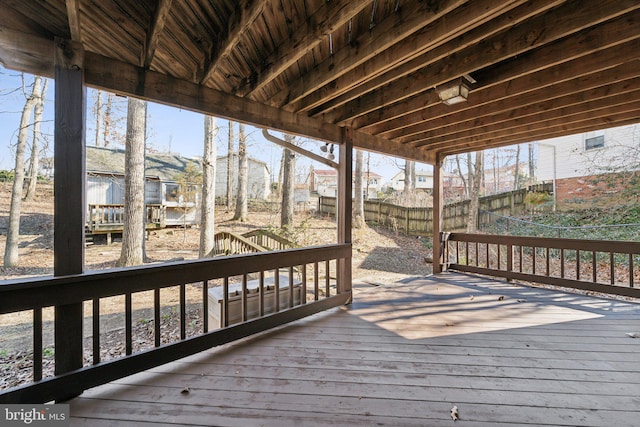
(270, 234)
(623, 247)
(30, 293)
(238, 238)
(120, 205)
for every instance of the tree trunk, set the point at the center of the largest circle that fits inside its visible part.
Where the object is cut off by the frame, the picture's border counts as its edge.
(409, 177)
(34, 162)
(207, 219)
(516, 171)
(288, 185)
(532, 166)
(243, 177)
(230, 159)
(358, 205)
(108, 120)
(476, 181)
(98, 111)
(13, 231)
(134, 176)
(465, 188)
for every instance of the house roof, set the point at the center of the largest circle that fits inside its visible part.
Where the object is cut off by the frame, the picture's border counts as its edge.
(164, 167)
(538, 69)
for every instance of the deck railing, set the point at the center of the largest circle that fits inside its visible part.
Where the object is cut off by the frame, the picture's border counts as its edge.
(103, 218)
(611, 267)
(321, 281)
(268, 239)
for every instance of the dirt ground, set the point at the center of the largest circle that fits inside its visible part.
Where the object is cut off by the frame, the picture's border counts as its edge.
(379, 256)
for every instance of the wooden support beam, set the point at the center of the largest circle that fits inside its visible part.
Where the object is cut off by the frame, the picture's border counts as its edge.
(458, 29)
(438, 204)
(565, 110)
(329, 17)
(127, 79)
(245, 14)
(73, 14)
(156, 27)
(598, 119)
(597, 123)
(344, 209)
(570, 18)
(407, 20)
(69, 201)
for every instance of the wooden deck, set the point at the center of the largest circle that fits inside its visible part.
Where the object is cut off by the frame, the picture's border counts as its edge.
(403, 355)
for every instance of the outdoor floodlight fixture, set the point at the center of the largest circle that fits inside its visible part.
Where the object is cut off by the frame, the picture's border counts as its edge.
(330, 156)
(324, 148)
(455, 91)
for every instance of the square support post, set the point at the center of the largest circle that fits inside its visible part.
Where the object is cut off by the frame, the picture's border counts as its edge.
(69, 200)
(344, 208)
(438, 245)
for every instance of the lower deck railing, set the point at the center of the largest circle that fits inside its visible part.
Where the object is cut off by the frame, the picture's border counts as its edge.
(611, 267)
(320, 283)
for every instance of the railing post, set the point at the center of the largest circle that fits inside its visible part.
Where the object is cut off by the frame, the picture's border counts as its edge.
(438, 252)
(343, 210)
(509, 260)
(69, 201)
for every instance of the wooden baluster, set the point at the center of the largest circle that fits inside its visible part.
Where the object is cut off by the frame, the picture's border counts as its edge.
(244, 297)
(95, 321)
(225, 301)
(128, 323)
(595, 268)
(316, 280)
(612, 268)
(156, 316)
(577, 264)
(205, 306)
(261, 295)
(37, 344)
(290, 286)
(276, 281)
(303, 291)
(183, 312)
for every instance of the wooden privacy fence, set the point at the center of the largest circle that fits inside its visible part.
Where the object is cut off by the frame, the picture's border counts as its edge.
(594, 265)
(320, 284)
(420, 220)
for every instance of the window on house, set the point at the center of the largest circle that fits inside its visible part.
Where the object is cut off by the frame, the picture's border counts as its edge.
(595, 142)
(422, 179)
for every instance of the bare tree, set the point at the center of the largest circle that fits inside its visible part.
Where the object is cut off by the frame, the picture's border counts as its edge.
(132, 252)
(34, 162)
(532, 165)
(242, 209)
(516, 170)
(358, 205)
(207, 219)
(230, 161)
(288, 184)
(476, 171)
(98, 111)
(13, 231)
(409, 177)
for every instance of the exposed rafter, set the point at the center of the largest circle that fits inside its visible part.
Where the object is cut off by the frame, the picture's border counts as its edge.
(73, 14)
(407, 20)
(328, 18)
(563, 21)
(245, 14)
(413, 53)
(155, 29)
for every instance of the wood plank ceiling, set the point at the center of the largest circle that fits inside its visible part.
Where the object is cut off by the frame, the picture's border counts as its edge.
(540, 69)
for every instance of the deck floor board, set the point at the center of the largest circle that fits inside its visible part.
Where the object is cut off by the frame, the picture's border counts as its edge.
(404, 354)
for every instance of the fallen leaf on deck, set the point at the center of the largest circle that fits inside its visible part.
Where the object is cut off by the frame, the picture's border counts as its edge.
(500, 298)
(185, 390)
(454, 413)
(522, 300)
(633, 334)
(471, 298)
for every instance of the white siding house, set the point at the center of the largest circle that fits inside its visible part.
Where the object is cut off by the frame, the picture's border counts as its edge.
(324, 182)
(259, 178)
(590, 153)
(424, 180)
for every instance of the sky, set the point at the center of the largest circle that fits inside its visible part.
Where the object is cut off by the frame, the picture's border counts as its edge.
(168, 129)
